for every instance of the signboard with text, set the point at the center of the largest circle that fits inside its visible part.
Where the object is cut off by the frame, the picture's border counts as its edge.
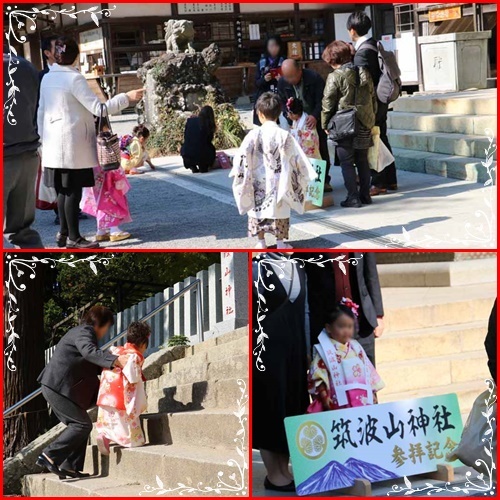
(316, 187)
(205, 8)
(227, 280)
(436, 16)
(330, 450)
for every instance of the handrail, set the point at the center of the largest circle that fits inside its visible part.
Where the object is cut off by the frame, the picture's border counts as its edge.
(199, 319)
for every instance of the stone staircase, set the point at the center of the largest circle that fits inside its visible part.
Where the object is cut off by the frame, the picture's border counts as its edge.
(191, 429)
(443, 134)
(433, 342)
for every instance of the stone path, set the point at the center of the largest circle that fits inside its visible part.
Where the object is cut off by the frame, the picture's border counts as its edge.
(173, 208)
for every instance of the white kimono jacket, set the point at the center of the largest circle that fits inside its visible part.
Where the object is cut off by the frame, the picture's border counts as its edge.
(271, 174)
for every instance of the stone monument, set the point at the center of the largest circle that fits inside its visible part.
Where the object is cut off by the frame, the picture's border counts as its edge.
(181, 79)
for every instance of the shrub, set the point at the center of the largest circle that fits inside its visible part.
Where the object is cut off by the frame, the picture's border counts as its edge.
(167, 138)
(177, 340)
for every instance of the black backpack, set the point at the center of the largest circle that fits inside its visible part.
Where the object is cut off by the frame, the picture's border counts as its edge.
(389, 85)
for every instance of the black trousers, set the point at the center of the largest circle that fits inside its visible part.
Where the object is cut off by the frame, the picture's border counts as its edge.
(68, 450)
(323, 150)
(388, 176)
(351, 159)
(368, 344)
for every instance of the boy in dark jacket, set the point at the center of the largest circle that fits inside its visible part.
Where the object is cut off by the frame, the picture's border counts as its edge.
(358, 26)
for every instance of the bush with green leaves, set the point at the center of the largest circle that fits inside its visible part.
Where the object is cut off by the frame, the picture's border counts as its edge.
(167, 138)
(177, 340)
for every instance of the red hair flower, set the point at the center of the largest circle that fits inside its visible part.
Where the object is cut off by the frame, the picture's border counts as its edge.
(351, 305)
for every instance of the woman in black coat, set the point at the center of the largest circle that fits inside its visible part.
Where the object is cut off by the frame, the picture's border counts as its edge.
(268, 70)
(280, 371)
(198, 152)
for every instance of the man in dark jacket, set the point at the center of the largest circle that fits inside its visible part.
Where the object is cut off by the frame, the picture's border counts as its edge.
(20, 146)
(70, 385)
(327, 285)
(308, 86)
(358, 26)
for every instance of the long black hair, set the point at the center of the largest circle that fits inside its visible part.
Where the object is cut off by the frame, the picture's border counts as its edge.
(207, 119)
(278, 40)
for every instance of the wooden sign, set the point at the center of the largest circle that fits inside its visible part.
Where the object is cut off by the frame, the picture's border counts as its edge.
(435, 16)
(332, 449)
(205, 8)
(295, 50)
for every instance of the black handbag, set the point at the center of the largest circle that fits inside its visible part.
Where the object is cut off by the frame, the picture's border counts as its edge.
(344, 124)
(108, 144)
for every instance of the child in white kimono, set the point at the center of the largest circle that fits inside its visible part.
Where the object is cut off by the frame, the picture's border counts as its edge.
(341, 375)
(122, 396)
(271, 174)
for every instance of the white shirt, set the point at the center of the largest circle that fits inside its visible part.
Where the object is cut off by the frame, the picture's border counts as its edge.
(361, 40)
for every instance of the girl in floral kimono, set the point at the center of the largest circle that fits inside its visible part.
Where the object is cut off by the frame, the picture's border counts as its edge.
(307, 138)
(107, 202)
(271, 174)
(122, 397)
(341, 375)
(133, 150)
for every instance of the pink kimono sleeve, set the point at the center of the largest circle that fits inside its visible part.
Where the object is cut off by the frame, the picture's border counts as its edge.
(373, 377)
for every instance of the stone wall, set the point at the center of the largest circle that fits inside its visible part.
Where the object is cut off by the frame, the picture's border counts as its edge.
(413, 257)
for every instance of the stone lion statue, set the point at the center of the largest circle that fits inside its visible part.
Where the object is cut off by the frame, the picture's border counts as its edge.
(179, 35)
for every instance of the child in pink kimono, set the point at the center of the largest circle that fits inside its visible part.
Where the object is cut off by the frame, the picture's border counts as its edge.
(107, 202)
(341, 375)
(122, 396)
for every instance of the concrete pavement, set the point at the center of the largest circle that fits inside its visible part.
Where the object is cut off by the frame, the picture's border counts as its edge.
(172, 208)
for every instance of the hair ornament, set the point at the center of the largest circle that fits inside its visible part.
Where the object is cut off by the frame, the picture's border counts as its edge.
(351, 305)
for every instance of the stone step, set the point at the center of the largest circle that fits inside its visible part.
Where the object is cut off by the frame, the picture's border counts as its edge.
(208, 428)
(432, 307)
(209, 355)
(239, 333)
(452, 167)
(458, 103)
(190, 465)
(438, 274)
(196, 371)
(404, 376)
(222, 393)
(48, 485)
(447, 123)
(442, 143)
(467, 393)
(426, 343)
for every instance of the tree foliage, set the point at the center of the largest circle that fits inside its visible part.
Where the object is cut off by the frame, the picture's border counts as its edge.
(127, 279)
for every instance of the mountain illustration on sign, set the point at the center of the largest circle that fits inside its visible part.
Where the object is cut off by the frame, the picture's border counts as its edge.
(366, 470)
(335, 475)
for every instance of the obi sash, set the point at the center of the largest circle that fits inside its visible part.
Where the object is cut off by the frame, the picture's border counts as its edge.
(112, 381)
(328, 352)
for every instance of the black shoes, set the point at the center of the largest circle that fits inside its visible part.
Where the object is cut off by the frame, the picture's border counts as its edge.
(366, 200)
(82, 243)
(351, 203)
(287, 488)
(61, 240)
(75, 474)
(45, 463)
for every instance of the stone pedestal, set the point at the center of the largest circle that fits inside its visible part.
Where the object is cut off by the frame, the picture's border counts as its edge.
(455, 61)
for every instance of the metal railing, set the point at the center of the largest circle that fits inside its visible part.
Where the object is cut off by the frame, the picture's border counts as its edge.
(199, 320)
